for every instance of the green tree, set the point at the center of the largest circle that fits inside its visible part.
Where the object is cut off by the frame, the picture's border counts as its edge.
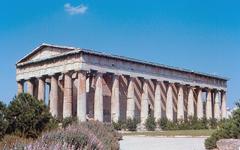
(3, 121)
(27, 116)
(228, 129)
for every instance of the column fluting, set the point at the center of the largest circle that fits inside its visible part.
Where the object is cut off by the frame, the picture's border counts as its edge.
(131, 99)
(98, 98)
(81, 96)
(180, 104)
(54, 96)
(115, 104)
(169, 103)
(67, 96)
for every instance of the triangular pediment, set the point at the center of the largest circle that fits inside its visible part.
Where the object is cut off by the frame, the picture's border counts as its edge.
(45, 51)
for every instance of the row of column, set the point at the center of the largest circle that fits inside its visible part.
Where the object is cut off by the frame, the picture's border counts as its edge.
(215, 104)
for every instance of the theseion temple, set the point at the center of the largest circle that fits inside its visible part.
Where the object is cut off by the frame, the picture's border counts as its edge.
(89, 84)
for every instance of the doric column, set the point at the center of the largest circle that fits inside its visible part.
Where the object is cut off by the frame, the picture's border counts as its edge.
(217, 112)
(199, 105)
(180, 104)
(54, 96)
(41, 89)
(131, 99)
(190, 112)
(30, 87)
(115, 105)
(67, 96)
(81, 96)
(169, 103)
(157, 102)
(98, 99)
(224, 105)
(20, 87)
(209, 105)
(144, 102)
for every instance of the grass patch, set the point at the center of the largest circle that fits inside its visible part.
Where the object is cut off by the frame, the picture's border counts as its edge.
(193, 133)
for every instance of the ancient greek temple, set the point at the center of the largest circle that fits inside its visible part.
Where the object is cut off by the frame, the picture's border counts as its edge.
(89, 84)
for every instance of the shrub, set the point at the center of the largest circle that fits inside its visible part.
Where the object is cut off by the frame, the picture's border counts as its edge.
(3, 121)
(210, 143)
(150, 123)
(27, 116)
(68, 121)
(228, 129)
(192, 123)
(119, 125)
(213, 123)
(52, 124)
(86, 135)
(166, 124)
(162, 122)
(13, 142)
(131, 124)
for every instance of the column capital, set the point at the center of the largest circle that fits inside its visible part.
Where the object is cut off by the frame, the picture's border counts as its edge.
(99, 74)
(82, 71)
(41, 77)
(171, 84)
(223, 92)
(21, 81)
(115, 76)
(146, 80)
(209, 90)
(159, 81)
(132, 78)
(69, 72)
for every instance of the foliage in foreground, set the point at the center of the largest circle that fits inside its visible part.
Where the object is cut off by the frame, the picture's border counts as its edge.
(27, 116)
(131, 124)
(68, 121)
(228, 129)
(13, 142)
(150, 123)
(3, 121)
(86, 135)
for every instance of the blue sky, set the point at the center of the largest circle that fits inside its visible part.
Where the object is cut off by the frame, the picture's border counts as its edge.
(201, 35)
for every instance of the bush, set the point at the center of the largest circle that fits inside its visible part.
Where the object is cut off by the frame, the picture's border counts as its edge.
(52, 124)
(27, 116)
(213, 123)
(150, 123)
(13, 142)
(68, 121)
(3, 121)
(105, 132)
(162, 122)
(166, 124)
(86, 135)
(228, 129)
(192, 123)
(131, 124)
(119, 125)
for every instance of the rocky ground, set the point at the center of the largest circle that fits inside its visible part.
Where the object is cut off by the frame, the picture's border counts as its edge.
(162, 143)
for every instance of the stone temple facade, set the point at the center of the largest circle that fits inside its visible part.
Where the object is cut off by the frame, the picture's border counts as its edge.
(89, 84)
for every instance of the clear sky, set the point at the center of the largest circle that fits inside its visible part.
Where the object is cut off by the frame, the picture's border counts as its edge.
(202, 35)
